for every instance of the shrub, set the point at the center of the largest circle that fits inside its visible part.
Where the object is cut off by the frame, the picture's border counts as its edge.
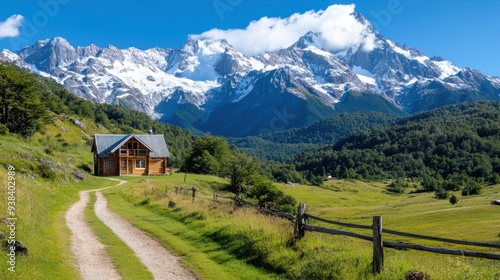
(46, 172)
(3, 129)
(85, 167)
(398, 186)
(472, 189)
(441, 193)
(430, 184)
(267, 194)
(453, 199)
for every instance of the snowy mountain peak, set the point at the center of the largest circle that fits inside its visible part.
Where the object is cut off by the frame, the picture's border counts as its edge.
(196, 60)
(334, 65)
(310, 39)
(59, 41)
(87, 51)
(6, 55)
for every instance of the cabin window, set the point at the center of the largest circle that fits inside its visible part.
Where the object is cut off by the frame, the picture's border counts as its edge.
(124, 165)
(133, 145)
(140, 164)
(110, 164)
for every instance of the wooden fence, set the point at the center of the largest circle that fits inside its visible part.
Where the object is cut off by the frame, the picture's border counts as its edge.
(301, 225)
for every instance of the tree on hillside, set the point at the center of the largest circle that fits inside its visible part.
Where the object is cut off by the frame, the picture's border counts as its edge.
(453, 199)
(210, 155)
(241, 167)
(267, 194)
(21, 109)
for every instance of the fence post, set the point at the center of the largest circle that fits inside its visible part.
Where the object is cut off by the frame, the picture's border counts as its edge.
(299, 224)
(378, 247)
(215, 196)
(194, 192)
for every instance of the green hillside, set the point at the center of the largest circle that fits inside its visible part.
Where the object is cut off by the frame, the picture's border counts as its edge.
(458, 144)
(332, 129)
(48, 167)
(284, 145)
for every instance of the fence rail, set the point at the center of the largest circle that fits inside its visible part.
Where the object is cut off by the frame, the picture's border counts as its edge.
(447, 240)
(337, 223)
(405, 234)
(404, 246)
(235, 199)
(301, 225)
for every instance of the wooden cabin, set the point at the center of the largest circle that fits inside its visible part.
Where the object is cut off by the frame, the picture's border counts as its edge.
(130, 154)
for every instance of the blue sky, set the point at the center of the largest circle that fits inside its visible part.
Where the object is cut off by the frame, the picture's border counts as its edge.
(464, 32)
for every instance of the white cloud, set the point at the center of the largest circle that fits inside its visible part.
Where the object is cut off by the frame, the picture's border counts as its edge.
(337, 26)
(10, 27)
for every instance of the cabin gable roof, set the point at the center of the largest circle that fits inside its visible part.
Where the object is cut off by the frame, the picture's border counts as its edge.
(106, 144)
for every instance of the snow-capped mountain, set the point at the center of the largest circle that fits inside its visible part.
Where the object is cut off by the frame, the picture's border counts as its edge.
(209, 85)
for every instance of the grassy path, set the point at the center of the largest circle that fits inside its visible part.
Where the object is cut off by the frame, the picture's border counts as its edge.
(93, 262)
(126, 262)
(107, 246)
(160, 262)
(208, 259)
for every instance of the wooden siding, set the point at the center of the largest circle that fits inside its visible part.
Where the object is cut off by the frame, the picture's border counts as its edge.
(157, 166)
(110, 168)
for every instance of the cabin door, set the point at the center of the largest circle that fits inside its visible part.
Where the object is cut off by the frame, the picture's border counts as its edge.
(130, 167)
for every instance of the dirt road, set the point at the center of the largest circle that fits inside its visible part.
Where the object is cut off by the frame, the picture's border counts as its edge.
(93, 261)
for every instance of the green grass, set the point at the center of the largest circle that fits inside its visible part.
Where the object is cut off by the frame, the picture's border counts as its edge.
(471, 218)
(128, 265)
(208, 259)
(203, 232)
(42, 203)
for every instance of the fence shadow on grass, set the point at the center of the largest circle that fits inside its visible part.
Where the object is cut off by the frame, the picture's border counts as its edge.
(301, 224)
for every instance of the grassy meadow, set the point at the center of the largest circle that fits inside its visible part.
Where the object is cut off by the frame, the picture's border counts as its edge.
(217, 240)
(45, 189)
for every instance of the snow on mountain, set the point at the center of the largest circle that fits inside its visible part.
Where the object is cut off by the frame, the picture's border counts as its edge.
(447, 68)
(207, 81)
(9, 56)
(364, 75)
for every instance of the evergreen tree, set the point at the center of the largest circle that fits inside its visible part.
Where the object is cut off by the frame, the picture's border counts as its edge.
(21, 111)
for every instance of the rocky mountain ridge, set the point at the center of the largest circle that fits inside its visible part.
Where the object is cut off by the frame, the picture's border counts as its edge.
(209, 86)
